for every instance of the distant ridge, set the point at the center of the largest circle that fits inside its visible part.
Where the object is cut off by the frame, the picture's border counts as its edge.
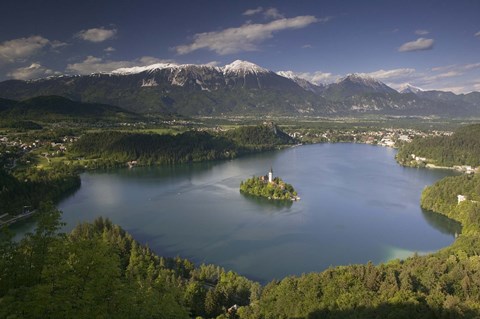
(57, 107)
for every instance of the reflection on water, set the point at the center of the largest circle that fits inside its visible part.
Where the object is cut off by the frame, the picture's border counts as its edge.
(265, 201)
(399, 253)
(357, 206)
(442, 223)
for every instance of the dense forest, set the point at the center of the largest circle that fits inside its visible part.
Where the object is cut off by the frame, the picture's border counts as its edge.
(442, 197)
(149, 149)
(278, 189)
(116, 148)
(31, 187)
(462, 148)
(260, 136)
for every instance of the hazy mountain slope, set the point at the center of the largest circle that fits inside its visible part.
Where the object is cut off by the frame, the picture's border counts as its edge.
(56, 107)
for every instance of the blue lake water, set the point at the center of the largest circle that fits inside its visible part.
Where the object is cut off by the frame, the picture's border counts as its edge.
(357, 205)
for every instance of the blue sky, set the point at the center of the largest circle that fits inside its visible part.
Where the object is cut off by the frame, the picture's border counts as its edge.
(430, 44)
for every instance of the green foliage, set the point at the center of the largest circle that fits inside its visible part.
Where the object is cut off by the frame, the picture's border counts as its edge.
(21, 125)
(442, 198)
(149, 149)
(259, 136)
(33, 186)
(462, 148)
(116, 148)
(100, 271)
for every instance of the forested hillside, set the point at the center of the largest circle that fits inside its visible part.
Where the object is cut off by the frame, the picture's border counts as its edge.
(260, 136)
(153, 148)
(442, 197)
(115, 148)
(34, 186)
(462, 148)
(100, 271)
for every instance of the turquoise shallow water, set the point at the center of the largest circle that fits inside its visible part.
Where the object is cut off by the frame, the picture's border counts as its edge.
(357, 205)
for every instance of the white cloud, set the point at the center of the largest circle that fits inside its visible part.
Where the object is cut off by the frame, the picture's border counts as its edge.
(270, 13)
(148, 60)
(57, 44)
(320, 77)
(317, 77)
(251, 12)
(391, 74)
(443, 68)
(109, 49)
(477, 34)
(98, 65)
(437, 77)
(417, 45)
(471, 66)
(213, 63)
(244, 38)
(273, 13)
(96, 34)
(421, 32)
(19, 49)
(454, 89)
(456, 67)
(34, 71)
(307, 46)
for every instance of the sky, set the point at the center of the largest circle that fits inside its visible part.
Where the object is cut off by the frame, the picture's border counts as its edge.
(430, 44)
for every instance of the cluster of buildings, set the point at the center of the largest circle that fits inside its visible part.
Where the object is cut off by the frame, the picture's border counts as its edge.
(385, 137)
(15, 148)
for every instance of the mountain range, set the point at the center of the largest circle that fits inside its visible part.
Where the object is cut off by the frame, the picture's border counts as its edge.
(240, 88)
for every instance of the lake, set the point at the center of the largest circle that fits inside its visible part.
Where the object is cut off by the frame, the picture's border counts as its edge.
(357, 205)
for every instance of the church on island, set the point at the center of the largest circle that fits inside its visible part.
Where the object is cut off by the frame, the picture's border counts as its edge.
(268, 177)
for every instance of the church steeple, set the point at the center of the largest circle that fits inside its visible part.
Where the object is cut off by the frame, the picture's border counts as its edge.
(270, 175)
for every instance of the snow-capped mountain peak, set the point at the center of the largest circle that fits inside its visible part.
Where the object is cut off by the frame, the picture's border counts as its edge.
(159, 66)
(408, 88)
(140, 69)
(243, 67)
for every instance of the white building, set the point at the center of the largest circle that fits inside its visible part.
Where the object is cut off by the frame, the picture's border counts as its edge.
(461, 198)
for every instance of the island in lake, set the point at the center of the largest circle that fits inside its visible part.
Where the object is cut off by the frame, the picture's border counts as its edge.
(269, 187)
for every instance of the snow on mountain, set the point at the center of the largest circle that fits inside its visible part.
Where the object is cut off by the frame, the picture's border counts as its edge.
(140, 69)
(239, 67)
(288, 74)
(408, 88)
